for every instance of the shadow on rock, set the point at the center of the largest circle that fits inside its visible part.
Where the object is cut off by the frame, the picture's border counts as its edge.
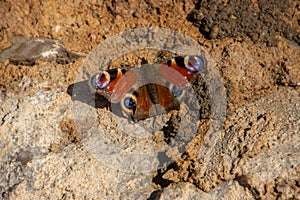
(82, 92)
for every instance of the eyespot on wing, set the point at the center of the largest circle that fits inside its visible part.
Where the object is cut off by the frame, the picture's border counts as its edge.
(180, 70)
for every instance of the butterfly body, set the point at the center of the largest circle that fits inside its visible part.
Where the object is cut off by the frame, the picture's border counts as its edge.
(149, 90)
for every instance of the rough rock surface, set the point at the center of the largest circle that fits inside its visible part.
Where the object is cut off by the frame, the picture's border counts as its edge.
(47, 129)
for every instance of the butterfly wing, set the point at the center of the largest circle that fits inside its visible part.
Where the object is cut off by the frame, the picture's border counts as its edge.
(152, 100)
(180, 70)
(114, 84)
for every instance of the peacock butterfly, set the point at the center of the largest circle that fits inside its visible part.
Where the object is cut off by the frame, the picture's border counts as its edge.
(151, 89)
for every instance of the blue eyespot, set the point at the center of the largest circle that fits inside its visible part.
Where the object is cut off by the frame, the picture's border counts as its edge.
(176, 91)
(129, 103)
(100, 81)
(195, 63)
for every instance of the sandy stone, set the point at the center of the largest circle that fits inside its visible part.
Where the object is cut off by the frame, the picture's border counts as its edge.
(50, 143)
